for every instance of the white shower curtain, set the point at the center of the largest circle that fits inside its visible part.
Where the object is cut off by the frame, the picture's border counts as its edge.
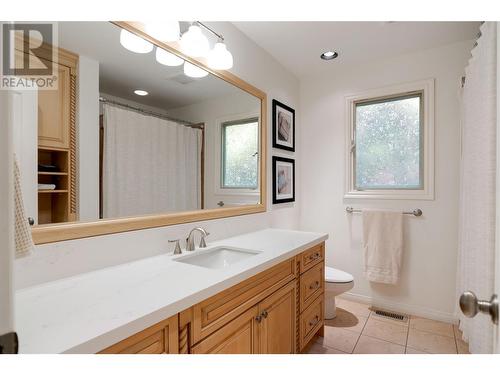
(478, 174)
(150, 165)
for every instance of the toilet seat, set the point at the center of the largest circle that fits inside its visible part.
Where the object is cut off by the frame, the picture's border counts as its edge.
(333, 275)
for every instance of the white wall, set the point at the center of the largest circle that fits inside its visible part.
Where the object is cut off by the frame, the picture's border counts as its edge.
(212, 113)
(88, 139)
(427, 286)
(63, 259)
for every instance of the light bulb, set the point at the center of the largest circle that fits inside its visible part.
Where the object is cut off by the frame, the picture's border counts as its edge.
(194, 43)
(141, 92)
(167, 58)
(166, 31)
(134, 43)
(219, 57)
(193, 71)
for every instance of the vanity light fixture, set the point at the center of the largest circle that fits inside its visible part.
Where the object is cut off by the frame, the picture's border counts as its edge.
(141, 92)
(193, 71)
(134, 43)
(329, 55)
(165, 31)
(167, 58)
(219, 57)
(193, 42)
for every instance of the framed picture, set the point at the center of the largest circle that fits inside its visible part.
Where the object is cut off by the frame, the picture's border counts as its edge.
(283, 126)
(283, 180)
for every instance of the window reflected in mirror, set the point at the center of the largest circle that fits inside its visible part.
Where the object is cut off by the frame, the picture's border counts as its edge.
(240, 151)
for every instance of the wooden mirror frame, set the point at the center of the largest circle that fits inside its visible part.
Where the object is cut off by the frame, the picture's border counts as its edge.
(68, 231)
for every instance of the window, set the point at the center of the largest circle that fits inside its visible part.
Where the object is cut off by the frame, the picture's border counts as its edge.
(240, 150)
(390, 144)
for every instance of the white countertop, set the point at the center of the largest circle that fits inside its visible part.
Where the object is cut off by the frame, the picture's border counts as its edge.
(89, 312)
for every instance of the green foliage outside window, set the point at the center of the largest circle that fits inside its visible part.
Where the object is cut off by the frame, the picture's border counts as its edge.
(388, 152)
(240, 146)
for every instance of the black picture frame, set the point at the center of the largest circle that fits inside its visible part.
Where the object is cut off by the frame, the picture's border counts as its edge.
(276, 198)
(277, 143)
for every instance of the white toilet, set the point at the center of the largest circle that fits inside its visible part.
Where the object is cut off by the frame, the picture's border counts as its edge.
(336, 282)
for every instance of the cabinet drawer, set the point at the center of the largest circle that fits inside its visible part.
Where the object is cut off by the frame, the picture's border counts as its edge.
(312, 284)
(158, 339)
(311, 320)
(311, 257)
(213, 313)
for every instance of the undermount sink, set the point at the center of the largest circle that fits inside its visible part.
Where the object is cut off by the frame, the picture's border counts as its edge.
(218, 257)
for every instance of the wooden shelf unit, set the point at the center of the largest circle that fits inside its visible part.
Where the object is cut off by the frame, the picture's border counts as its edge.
(57, 136)
(53, 205)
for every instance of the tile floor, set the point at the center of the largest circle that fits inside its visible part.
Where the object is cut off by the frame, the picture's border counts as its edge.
(357, 330)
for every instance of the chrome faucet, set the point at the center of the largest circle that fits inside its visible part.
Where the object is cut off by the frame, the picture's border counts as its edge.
(190, 240)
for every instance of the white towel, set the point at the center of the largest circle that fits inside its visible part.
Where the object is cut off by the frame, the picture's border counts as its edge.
(22, 236)
(46, 186)
(383, 245)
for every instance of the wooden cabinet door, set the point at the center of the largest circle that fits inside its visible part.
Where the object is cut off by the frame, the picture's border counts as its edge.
(277, 327)
(161, 338)
(54, 112)
(236, 337)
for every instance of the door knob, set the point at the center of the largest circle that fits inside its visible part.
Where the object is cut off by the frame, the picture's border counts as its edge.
(470, 306)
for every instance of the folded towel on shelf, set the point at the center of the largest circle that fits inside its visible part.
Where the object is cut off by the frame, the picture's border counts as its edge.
(47, 168)
(46, 186)
(383, 245)
(22, 232)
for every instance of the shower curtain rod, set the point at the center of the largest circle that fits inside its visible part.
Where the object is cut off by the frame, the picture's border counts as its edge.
(150, 113)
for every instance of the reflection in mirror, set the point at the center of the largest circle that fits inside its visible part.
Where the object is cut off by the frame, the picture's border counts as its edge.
(128, 134)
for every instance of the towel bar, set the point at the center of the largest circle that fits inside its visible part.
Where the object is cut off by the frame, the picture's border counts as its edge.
(415, 212)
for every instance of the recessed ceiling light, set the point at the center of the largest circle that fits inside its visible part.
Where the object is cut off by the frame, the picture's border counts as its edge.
(329, 55)
(141, 92)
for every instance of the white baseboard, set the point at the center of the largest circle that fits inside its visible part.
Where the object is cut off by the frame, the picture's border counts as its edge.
(403, 308)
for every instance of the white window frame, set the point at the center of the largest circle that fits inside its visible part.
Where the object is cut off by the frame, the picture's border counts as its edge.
(218, 189)
(426, 87)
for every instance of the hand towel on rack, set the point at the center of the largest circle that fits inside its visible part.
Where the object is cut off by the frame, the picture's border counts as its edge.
(22, 231)
(383, 245)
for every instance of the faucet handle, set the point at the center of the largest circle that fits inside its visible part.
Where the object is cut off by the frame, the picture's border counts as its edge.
(203, 244)
(177, 249)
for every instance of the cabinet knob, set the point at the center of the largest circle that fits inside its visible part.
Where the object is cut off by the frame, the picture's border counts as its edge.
(315, 256)
(315, 285)
(264, 314)
(258, 318)
(314, 321)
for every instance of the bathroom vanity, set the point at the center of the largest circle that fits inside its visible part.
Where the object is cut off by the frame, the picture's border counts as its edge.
(270, 302)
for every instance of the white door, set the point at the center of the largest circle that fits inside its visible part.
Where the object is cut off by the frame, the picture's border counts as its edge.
(6, 227)
(23, 104)
(18, 133)
(496, 336)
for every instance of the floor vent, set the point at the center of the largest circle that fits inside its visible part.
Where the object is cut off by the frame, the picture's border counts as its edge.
(391, 315)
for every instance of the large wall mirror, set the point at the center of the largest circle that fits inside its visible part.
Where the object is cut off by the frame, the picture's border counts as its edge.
(133, 140)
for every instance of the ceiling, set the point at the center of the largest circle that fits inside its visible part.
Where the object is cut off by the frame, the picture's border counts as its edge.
(298, 45)
(121, 71)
